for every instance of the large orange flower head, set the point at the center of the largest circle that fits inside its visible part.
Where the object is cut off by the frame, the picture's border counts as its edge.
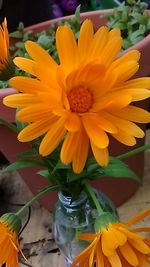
(83, 99)
(9, 246)
(116, 245)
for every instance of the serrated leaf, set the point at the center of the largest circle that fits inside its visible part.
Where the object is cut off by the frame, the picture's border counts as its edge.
(22, 164)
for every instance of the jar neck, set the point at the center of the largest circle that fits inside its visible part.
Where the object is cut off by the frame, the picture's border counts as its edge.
(70, 202)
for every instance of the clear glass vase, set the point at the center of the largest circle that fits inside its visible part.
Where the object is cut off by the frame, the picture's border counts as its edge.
(73, 217)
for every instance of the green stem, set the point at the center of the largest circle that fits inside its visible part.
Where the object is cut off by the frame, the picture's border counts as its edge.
(9, 125)
(134, 151)
(94, 198)
(37, 196)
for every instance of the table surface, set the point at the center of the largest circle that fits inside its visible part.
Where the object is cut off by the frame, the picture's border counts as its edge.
(36, 240)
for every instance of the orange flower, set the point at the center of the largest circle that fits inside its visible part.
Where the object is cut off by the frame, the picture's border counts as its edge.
(4, 44)
(84, 98)
(116, 245)
(9, 246)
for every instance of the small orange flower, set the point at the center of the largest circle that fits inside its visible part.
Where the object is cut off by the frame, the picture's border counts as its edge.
(9, 246)
(83, 99)
(4, 44)
(117, 245)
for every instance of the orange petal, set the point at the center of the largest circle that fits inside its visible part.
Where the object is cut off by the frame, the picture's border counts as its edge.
(129, 254)
(135, 114)
(27, 85)
(101, 86)
(85, 75)
(104, 123)
(114, 33)
(67, 50)
(124, 125)
(36, 129)
(140, 246)
(115, 260)
(126, 71)
(141, 229)
(138, 217)
(51, 99)
(130, 235)
(40, 55)
(34, 113)
(121, 237)
(105, 241)
(87, 236)
(25, 64)
(111, 50)
(73, 122)
(112, 102)
(68, 148)
(99, 42)
(135, 93)
(138, 83)
(132, 55)
(53, 137)
(98, 137)
(81, 152)
(99, 256)
(20, 100)
(101, 155)
(85, 38)
(124, 138)
(47, 76)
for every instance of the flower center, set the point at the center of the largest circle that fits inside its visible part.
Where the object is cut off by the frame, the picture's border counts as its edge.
(80, 100)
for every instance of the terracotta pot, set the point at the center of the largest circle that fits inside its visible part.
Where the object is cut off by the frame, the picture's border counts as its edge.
(119, 190)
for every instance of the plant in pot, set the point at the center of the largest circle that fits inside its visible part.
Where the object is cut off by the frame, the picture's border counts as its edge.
(123, 188)
(65, 110)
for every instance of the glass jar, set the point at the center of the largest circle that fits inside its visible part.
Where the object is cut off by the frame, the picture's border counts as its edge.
(73, 217)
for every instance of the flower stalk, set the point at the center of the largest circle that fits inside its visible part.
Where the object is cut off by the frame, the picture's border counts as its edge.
(36, 197)
(92, 194)
(134, 151)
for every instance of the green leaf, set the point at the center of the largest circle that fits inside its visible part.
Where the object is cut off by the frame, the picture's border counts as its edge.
(16, 34)
(20, 45)
(77, 14)
(22, 164)
(9, 125)
(44, 41)
(28, 154)
(20, 26)
(71, 176)
(44, 173)
(61, 166)
(118, 169)
(20, 125)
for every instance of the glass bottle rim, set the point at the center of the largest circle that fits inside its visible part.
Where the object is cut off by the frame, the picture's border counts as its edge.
(69, 202)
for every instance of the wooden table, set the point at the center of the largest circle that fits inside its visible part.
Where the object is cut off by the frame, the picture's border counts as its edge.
(36, 240)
